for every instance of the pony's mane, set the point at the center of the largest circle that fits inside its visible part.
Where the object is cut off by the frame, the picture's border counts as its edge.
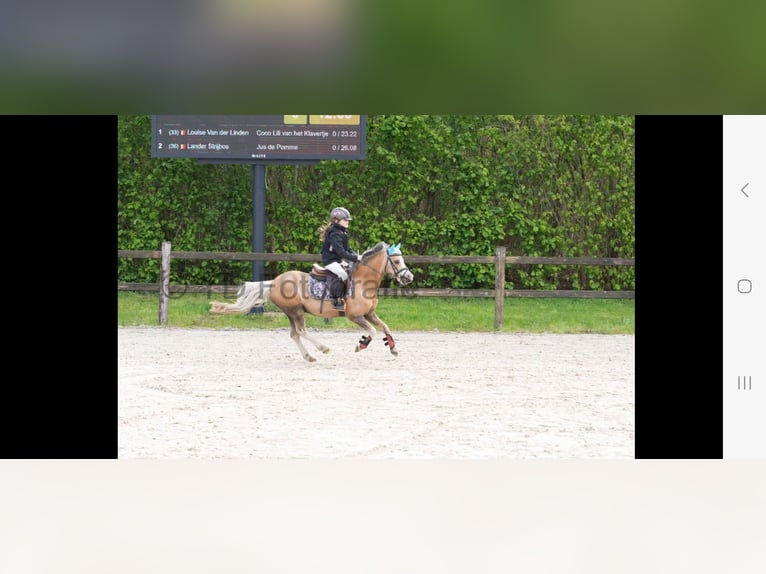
(373, 250)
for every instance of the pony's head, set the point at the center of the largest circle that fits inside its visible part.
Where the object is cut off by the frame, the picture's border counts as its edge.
(396, 267)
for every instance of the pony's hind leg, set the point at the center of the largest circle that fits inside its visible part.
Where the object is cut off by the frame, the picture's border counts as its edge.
(298, 330)
(388, 338)
(320, 347)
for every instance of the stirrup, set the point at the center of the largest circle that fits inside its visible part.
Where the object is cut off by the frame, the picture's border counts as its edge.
(338, 304)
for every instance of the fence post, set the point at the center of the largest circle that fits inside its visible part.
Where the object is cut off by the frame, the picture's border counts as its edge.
(164, 282)
(499, 285)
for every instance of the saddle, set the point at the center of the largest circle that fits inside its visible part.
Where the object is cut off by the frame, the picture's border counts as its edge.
(318, 272)
(319, 279)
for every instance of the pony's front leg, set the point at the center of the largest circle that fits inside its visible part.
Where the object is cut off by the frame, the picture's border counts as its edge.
(388, 338)
(366, 339)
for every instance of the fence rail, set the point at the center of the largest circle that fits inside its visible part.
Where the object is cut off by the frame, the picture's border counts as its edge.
(436, 259)
(500, 260)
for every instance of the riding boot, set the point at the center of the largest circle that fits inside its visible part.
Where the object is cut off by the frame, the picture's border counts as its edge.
(338, 304)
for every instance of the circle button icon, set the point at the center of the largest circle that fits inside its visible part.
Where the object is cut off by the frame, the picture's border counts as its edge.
(744, 286)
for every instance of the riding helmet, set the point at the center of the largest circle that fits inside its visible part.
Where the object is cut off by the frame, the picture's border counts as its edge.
(340, 213)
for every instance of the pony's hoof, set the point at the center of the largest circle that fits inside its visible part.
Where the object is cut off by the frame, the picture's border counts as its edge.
(310, 359)
(326, 350)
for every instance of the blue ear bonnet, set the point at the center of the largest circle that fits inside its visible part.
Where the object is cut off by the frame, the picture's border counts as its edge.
(394, 249)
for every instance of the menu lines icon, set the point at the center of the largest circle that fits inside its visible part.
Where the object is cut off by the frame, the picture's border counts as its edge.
(745, 383)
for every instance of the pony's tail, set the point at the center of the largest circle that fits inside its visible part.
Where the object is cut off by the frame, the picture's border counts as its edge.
(251, 294)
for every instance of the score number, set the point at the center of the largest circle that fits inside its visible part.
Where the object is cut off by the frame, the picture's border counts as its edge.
(345, 134)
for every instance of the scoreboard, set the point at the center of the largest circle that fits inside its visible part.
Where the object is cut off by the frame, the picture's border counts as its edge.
(260, 138)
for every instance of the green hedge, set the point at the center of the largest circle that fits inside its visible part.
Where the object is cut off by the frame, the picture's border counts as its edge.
(440, 185)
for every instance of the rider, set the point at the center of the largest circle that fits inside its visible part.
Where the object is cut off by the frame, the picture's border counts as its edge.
(334, 236)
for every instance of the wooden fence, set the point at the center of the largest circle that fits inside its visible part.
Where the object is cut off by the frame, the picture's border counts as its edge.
(500, 260)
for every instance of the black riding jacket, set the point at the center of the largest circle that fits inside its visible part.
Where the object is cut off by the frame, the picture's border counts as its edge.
(335, 246)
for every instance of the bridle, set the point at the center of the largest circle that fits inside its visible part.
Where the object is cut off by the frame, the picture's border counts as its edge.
(397, 271)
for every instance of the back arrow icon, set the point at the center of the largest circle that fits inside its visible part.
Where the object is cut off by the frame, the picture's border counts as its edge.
(743, 189)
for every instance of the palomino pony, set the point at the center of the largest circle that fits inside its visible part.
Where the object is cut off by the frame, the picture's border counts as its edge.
(294, 292)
